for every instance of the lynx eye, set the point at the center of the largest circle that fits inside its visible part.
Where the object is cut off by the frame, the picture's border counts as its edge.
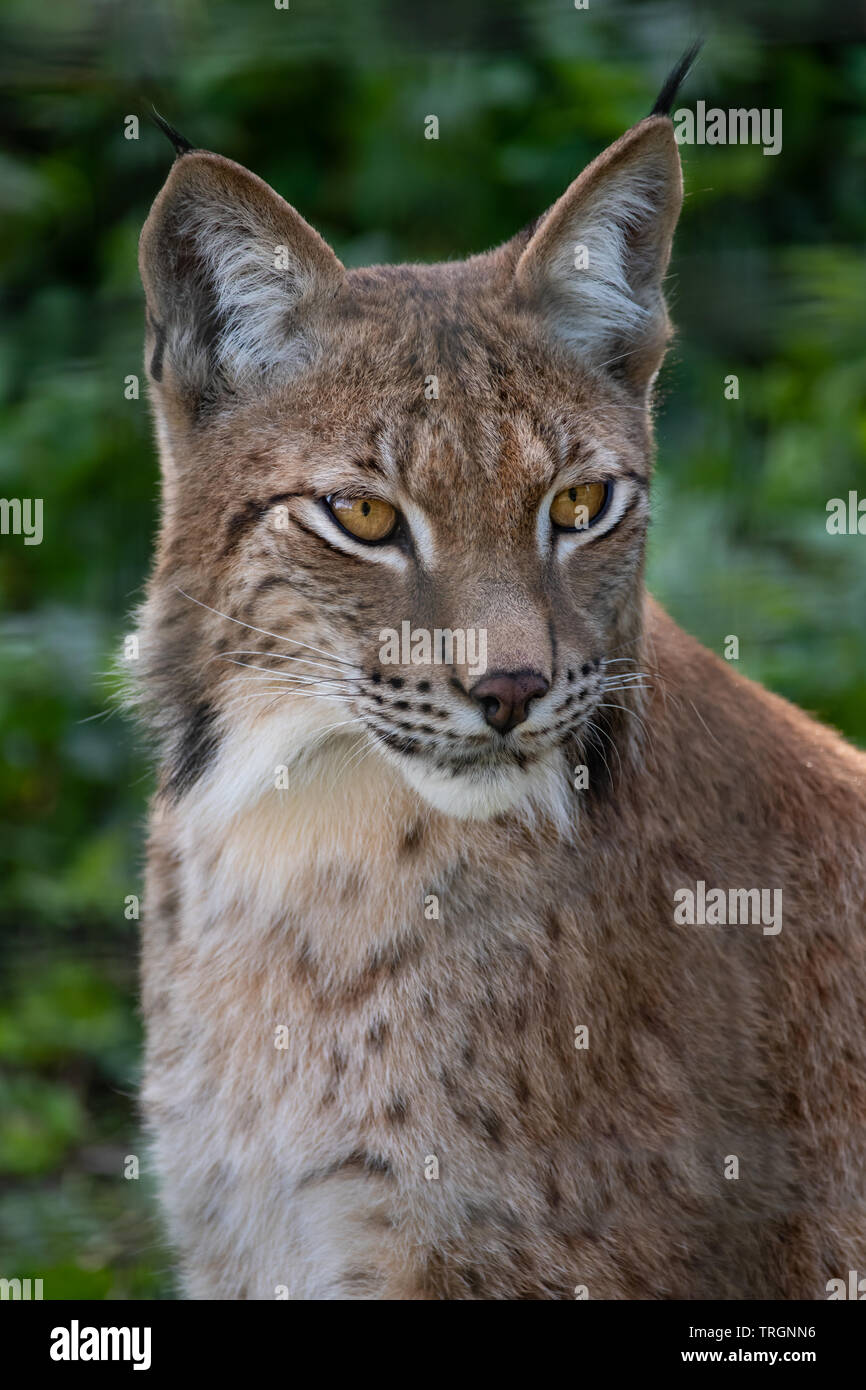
(579, 506)
(367, 518)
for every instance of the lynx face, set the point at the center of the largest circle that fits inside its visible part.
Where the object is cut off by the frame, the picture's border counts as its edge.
(405, 508)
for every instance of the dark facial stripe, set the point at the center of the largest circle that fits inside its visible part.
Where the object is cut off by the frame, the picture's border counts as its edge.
(196, 751)
(626, 513)
(249, 516)
(156, 360)
(239, 523)
(272, 581)
(371, 466)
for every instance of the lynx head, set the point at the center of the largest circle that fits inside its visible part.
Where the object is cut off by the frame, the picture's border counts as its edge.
(404, 507)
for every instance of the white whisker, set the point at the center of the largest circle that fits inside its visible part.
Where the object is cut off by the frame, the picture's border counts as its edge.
(263, 631)
(280, 656)
(291, 678)
(596, 729)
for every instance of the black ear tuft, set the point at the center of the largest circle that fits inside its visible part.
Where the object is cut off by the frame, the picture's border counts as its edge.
(181, 145)
(674, 79)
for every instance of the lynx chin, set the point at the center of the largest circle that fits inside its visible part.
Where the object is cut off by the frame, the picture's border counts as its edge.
(316, 1038)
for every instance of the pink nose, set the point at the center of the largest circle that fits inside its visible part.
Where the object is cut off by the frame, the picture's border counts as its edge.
(504, 696)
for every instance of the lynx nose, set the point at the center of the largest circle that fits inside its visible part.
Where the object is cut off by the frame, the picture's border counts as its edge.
(504, 696)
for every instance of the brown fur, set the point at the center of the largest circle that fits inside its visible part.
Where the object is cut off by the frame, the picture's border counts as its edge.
(302, 1168)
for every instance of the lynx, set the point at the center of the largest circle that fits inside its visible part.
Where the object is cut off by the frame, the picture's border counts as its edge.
(421, 1023)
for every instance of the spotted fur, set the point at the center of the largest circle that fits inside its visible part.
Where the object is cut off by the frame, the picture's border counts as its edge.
(428, 908)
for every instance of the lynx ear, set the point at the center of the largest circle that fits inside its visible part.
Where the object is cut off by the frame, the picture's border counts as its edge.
(228, 269)
(595, 263)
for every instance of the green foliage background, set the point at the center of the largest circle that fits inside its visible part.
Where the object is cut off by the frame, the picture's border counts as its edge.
(327, 102)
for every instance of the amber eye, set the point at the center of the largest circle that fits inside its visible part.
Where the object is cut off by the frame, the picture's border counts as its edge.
(367, 518)
(576, 507)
